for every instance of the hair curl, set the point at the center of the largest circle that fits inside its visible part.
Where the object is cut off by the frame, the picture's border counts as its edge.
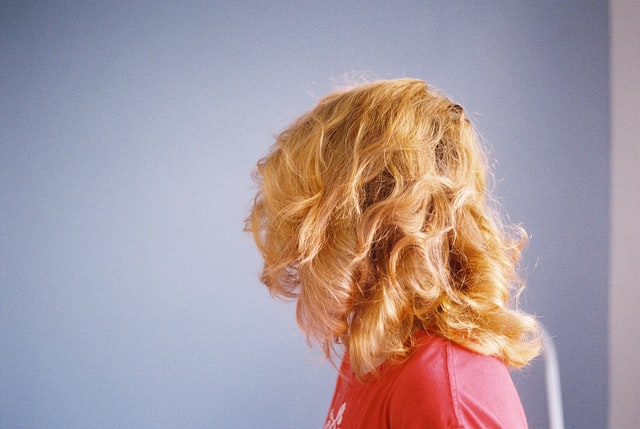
(373, 212)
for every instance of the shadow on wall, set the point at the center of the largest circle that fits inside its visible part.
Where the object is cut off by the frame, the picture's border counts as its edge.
(129, 293)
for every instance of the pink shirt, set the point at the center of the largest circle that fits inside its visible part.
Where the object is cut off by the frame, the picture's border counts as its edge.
(442, 385)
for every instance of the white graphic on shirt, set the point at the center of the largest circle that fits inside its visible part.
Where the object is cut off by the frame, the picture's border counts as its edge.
(334, 421)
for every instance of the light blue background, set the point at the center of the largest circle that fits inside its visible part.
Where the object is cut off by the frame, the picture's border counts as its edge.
(128, 130)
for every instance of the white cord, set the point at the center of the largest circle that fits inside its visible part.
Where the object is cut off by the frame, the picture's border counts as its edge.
(552, 378)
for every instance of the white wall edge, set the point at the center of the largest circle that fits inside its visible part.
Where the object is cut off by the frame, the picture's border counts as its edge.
(624, 289)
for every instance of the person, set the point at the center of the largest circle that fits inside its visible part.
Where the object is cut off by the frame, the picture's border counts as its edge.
(373, 212)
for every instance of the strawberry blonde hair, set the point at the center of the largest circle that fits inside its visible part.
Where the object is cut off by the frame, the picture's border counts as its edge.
(373, 212)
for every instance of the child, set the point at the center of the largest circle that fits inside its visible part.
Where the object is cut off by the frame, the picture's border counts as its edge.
(373, 212)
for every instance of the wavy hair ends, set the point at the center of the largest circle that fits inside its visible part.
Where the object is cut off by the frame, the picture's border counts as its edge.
(373, 213)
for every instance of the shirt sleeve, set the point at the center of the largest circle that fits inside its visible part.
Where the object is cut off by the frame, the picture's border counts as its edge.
(451, 387)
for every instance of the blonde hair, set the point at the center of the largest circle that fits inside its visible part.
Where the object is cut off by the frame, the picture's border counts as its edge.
(373, 212)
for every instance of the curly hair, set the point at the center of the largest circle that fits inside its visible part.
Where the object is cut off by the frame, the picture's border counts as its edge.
(373, 212)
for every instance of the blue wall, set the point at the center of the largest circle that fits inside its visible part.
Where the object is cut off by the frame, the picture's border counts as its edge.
(128, 292)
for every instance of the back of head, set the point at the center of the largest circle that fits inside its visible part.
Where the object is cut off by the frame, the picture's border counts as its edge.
(373, 212)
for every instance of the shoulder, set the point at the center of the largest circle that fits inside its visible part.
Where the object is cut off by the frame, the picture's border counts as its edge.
(451, 386)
